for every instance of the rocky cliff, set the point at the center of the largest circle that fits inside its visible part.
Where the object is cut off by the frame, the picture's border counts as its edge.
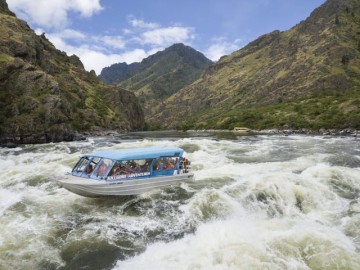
(47, 96)
(307, 76)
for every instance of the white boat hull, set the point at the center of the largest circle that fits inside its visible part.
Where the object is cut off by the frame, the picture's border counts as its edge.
(95, 188)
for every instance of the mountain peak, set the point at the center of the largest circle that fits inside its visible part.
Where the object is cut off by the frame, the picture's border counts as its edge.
(176, 53)
(180, 47)
(160, 75)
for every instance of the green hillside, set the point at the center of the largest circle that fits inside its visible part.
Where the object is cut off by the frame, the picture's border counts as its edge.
(306, 77)
(47, 96)
(158, 76)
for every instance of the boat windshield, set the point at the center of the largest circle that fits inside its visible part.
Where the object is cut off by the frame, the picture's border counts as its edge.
(93, 162)
(81, 165)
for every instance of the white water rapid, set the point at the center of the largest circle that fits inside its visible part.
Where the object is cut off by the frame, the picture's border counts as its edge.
(258, 202)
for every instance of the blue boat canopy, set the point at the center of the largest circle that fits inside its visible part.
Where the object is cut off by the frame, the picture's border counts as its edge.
(138, 153)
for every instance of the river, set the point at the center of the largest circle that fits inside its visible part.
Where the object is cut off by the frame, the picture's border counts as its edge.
(257, 202)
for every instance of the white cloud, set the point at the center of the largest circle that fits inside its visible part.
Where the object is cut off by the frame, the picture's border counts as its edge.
(39, 31)
(71, 34)
(97, 60)
(221, 47)
(115, 42)
(138, 23)
(94, 53)
(52, 13)
(98, 51)
(135, 55)
(86, 7)
(59, 43)
(127, 31)
(167, 36)
(215, 51)
(153, 34)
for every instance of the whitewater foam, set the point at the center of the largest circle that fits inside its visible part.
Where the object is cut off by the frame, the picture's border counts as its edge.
(266, 202)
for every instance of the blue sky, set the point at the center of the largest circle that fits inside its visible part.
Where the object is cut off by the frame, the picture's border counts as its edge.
(104, 32)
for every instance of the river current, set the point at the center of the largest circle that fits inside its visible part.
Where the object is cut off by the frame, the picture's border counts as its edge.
(257, 202)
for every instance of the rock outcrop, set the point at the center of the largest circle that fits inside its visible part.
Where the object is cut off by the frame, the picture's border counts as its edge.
(47, 96)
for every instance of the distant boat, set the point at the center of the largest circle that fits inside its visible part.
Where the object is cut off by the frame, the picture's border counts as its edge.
(242, 129)
(127, 172)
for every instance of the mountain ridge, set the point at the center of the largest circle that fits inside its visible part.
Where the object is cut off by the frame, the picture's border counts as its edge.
(124, 71)
(316, 59)
(158, 76)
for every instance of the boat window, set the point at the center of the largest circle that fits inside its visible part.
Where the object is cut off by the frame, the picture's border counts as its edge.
(165, 163)
(136, 168)
(80, 166)
(103, 167)
(92, 164)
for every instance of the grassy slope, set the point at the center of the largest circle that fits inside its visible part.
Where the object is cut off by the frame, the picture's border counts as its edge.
(306, 77)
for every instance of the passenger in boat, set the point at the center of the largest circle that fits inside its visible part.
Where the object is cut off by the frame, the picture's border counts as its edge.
(169, 165)
(116, 170)
(102, 169)
(184, 164)
(125, 170)
(137, 167)
(130, 164)
(157, 165)
(89, 169)
(146, 166)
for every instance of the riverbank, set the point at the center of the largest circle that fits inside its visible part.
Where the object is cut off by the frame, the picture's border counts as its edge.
(102, 133)
(321, 132)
